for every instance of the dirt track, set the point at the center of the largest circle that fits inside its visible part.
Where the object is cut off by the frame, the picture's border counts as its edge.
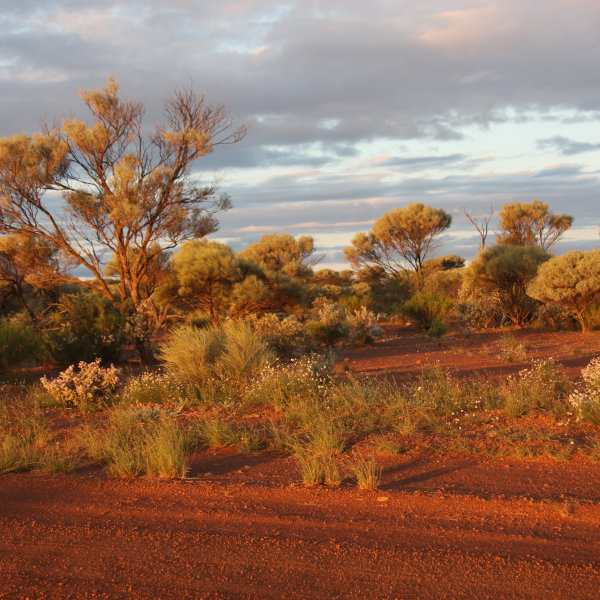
(84, 536)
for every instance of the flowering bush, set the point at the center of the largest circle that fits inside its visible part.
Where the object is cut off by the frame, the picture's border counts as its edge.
(586, 399)
(362, 326)
(154, 388)
(86, 388)
(330, 326)
(541, 386)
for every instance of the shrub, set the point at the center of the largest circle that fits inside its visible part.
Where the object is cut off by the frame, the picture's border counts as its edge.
(330, 326)
(586, 398)
(362, 326)
(437, 329)
(427, 307)
(284, 336)
(84, 327)
(232, 352)
(88, 388)
(19, 344)
(510, 348)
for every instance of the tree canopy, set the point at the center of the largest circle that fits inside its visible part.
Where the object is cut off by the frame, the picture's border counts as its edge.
(126, 190)
(571, 280)
(401, 237)
(282, 253)
(526, 224)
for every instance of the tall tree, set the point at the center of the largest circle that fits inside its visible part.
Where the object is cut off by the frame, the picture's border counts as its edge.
(126, 190)
(528, 224)
(401, 237)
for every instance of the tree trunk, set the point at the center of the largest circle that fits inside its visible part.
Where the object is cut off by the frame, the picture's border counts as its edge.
(144, 349)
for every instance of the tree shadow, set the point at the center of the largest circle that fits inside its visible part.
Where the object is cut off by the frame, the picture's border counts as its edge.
(227, 461)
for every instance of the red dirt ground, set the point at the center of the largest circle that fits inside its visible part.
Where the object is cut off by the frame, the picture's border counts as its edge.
(406, 352)
(242, 527)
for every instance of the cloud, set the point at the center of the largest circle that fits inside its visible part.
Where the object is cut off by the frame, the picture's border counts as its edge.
(566, 146)
(354, 107)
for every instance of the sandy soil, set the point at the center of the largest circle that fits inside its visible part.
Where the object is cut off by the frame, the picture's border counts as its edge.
(449, 528)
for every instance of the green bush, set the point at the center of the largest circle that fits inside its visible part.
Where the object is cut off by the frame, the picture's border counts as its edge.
(427, 307)
(231, 353)
(437, 329)
(84, 327)
(19, 344)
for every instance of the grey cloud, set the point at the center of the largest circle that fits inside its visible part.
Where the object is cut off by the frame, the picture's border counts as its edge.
(566, 146)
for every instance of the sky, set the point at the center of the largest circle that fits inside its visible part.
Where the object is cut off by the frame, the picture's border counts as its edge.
(354, 108)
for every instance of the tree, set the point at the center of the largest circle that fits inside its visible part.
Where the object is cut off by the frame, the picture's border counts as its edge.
(282, 253)
(503, 272)
(402, 236)
(481, 224)
(27, 263)
(126, 191)
(209, 276)
(571, 280)
(524, 224)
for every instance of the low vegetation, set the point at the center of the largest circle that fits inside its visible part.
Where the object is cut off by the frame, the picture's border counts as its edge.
(224, 387)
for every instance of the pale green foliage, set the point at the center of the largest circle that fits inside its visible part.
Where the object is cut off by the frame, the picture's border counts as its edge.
(401, 236)
(427, 308)
(586, 398)
(232, 352)
(209, 276)
(87, 388)
(205, 274)
(281, 253)
(504, 272)
(19, 344)
(571, 280)
(526, 224)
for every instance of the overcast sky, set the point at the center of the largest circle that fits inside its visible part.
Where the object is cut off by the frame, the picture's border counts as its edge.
(355, 107)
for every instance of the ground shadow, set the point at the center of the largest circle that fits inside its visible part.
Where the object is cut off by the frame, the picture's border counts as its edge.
(397, 484)
(227, 461)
